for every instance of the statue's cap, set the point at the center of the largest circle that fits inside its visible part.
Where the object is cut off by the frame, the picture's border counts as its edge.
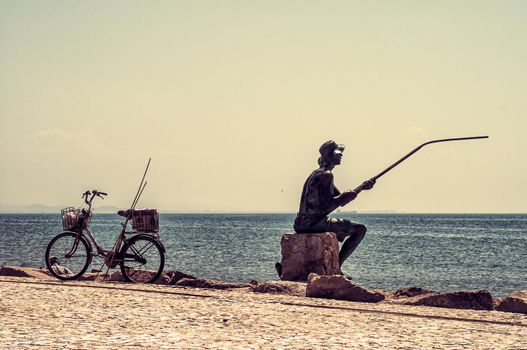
(330, 147)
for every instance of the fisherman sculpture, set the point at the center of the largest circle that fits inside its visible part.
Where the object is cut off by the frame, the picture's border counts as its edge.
(320, 197)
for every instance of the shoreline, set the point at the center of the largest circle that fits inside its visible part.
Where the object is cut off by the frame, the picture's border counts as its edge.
(47, 314)
(27, 271)
(42, 267)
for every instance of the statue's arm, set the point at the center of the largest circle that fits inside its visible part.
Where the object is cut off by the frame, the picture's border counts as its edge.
(345, 197)
(330, 201)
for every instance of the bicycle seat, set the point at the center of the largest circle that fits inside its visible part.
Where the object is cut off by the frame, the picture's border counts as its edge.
(125, 213)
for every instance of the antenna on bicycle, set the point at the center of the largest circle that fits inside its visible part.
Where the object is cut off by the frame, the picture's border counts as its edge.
(141, 187)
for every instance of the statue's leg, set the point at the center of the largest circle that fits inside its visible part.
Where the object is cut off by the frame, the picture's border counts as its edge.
(356, 234)
(278, 267)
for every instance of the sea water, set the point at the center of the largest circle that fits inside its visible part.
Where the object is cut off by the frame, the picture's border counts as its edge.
(434, 251)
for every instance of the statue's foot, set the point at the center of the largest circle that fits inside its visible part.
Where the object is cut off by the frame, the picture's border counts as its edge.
(278, 268)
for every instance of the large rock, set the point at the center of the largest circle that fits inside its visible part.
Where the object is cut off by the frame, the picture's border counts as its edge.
(211, 284)
(280, 287)
(94, 276)
(515, 302)
(410, 292)
(117, 276)
(303, 254)
(468, 299)
(43, 274)
(175, 276)
(339, 287)
(28, 272)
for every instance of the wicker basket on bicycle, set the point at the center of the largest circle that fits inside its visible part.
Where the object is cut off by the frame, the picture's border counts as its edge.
(71, 218)
(145, 220)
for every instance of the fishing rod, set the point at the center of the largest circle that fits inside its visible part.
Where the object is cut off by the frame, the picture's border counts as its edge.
(414, 151)
(128, 214)
(142, 186)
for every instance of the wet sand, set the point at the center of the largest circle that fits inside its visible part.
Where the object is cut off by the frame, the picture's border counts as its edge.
(92, 315)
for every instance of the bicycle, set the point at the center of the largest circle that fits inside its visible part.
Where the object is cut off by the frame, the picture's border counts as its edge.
(141, 257)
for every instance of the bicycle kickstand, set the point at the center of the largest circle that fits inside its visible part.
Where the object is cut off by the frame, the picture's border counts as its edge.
(100, 270)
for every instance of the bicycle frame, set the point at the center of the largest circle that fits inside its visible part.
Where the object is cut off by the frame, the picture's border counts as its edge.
(110, 256)
(100, 250)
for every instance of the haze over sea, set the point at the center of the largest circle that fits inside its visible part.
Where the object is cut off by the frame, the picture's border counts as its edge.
(433, 251)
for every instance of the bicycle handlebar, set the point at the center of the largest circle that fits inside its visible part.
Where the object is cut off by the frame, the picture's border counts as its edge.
(93, 193)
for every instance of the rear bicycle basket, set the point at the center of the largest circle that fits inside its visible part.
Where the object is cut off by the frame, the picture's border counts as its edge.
(70, 217)
(145, 220)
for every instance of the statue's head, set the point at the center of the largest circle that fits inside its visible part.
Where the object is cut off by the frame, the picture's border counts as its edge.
(330, 154)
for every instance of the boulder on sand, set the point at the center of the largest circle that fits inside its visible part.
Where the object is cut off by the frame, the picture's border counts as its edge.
(339, 287)
(410, 292)
(303, 254)
(117, 276)
(280, 287)
(175, 276)
(29, 272)
(94, 276)
(467, 299)
(515, 302)
(212, 284)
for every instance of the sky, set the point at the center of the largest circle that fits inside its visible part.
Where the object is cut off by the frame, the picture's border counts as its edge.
(232, 99)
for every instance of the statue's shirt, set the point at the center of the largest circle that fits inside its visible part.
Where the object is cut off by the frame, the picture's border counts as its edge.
(319, 198)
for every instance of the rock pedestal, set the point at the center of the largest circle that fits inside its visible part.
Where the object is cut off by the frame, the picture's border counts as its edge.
(303, 254)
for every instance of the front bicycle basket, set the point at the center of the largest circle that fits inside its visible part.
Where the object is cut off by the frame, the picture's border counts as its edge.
(145, 220)
(70, 217)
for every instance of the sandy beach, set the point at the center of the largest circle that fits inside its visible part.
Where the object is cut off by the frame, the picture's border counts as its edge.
(88, 315)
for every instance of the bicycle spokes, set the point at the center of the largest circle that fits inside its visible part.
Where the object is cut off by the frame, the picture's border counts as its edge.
(73, 248)
(139, 254)
(68, 256)
(143, 259)
(142, 250)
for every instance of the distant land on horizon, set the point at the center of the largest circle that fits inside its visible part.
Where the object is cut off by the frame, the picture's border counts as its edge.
(109, 209)
(46, 209)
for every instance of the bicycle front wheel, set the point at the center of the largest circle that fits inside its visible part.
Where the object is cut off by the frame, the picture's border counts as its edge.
(143, 259)
(68, 255)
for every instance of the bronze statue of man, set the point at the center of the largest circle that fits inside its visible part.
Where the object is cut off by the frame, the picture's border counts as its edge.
(320, 197)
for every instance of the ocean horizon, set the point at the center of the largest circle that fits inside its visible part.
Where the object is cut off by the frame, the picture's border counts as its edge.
(114, 209)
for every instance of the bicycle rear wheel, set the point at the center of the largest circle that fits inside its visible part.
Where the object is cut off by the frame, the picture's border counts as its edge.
(143, 259)
(68, 256)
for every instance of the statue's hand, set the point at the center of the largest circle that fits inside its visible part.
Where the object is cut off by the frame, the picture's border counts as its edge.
(368, 185)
